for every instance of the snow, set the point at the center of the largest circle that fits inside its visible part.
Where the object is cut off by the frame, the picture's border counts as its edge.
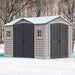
(35, 20)
(29, 66)
(25, 66)
(41, 20)
(13, 22)
(1, 48)
(74, 46)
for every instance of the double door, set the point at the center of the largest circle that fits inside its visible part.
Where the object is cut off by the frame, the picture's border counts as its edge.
(23, 40)
(59, 40)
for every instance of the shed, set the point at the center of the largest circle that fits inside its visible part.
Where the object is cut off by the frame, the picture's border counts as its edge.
(38, 37)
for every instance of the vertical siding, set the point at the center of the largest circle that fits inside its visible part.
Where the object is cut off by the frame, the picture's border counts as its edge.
(39, 46)
(8, 41)
(47, 40)
(69, 41)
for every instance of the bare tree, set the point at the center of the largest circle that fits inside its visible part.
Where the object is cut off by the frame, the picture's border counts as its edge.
(11, 8)
(67, 9)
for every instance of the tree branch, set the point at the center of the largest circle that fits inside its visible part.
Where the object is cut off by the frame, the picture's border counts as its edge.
(18, 10)
(66, 14)
(2, 19)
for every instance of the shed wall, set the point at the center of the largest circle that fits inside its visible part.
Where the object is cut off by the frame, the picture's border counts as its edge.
(39, 42)
(43, 50)
(8, 51)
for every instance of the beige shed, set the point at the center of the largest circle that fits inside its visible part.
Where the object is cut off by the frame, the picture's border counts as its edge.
(38, 37)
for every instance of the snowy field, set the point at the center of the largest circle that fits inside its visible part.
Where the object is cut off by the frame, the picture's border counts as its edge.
(1, 48)
(26, 66)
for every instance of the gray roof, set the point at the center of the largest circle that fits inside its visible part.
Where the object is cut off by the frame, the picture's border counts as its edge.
(35, 20)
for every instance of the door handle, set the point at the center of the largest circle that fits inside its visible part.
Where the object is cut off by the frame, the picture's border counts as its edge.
(23, 41)
(59, 41)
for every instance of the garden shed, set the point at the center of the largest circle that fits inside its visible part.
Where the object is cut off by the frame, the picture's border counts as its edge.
(38, 37)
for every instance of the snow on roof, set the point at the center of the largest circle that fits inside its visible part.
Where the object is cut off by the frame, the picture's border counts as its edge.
(41, 20)
(13, 22)
(35, 20)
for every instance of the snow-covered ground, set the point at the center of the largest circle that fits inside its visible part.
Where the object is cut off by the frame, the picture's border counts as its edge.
(1, 48)
(74, 46)
(27, 66)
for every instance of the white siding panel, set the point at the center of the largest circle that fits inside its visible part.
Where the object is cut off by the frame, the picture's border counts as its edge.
(8, 43)
(70, 41)
(47, 40)
(39, 46)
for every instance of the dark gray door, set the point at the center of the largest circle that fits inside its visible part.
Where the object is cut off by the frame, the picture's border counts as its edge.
(28, 40)
(17, 41)
(24, 40)
(64, 40)
(54, 40)
(59, 40)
